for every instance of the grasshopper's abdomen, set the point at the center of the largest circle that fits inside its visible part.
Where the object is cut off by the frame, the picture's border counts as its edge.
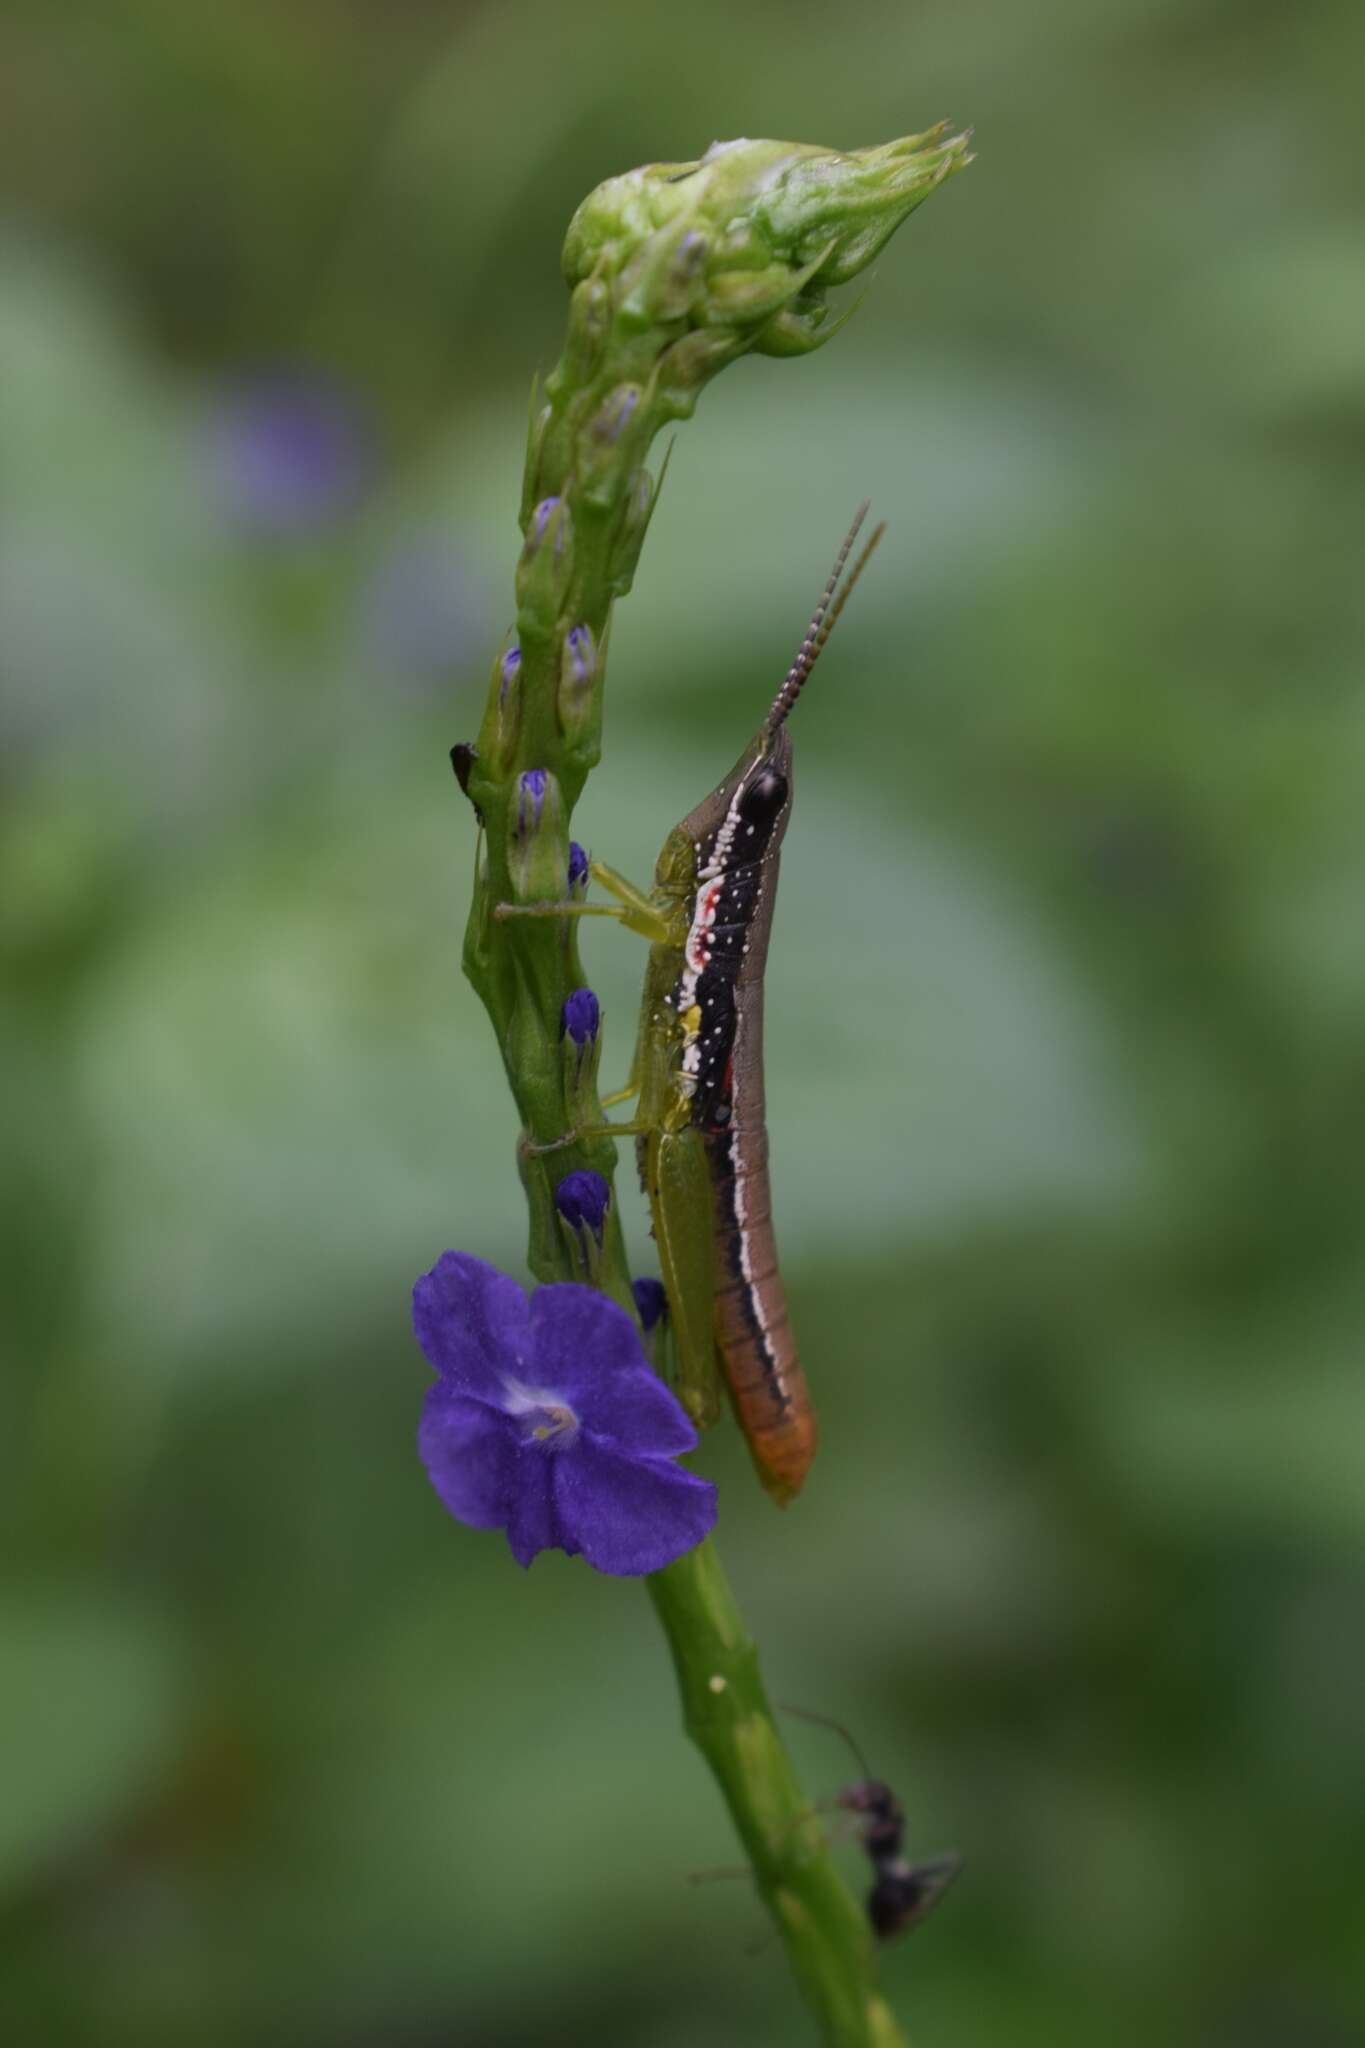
(753, 1329)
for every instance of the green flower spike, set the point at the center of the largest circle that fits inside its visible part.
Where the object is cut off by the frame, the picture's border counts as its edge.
(674, 270)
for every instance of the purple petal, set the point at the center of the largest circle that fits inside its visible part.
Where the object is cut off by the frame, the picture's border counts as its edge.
(535, 1523)
(472, 1323)
(630, 1515)
(471, 1453)
(588, 1351)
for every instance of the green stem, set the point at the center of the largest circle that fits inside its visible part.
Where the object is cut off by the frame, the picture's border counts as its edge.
(674, 271)
(726, 1713)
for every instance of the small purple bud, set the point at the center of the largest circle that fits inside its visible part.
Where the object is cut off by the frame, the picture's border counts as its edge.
(583, 1199)
(578, 867)
(580, 1016)
(530, 798)
(511, 669)
(545, 571)
(579, 651)
(651, 1302)
(616, 412)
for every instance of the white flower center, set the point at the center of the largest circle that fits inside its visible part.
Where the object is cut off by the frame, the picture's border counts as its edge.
(543, 1416)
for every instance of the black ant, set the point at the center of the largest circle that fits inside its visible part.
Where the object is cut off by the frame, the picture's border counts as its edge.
(902, 1892)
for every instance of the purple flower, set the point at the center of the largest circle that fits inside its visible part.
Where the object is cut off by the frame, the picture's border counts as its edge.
(579, 1016)
(578, 867)
(583, 1199)
(546, 1421)
(650, 1301)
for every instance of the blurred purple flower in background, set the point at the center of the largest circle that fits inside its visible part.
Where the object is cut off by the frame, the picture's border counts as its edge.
(290, 454)
(546, 1421)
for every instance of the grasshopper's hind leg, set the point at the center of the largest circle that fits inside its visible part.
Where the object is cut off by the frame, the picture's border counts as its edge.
(678, 1185)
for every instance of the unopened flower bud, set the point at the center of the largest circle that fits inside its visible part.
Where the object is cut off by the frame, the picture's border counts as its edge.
(793, 333)
(630, 535)
(579, 1016)
(580, 1021)
(589, 326)
(577, 698)
(530, 799)
(545, 569)
(535, 844)
(651, 1306)
(681, 281)
(583, 1200)
(502, 720)
(578, 871)
(690, 363)
(616, 412)
(651, 1303)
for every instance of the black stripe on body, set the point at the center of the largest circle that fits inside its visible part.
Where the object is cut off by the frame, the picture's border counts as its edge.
(731, 1181)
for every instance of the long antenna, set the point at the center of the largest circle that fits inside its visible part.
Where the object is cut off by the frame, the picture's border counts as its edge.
(826, 1720)
(826, 612)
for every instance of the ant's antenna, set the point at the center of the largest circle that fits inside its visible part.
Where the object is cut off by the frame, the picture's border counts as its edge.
(826, 612)
(826, 1720)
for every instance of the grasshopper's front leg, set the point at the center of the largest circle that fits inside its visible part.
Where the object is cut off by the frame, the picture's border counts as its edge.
(636, 911)
(658, 921)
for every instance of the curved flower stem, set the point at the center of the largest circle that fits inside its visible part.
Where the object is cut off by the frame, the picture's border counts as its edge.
(674, 270)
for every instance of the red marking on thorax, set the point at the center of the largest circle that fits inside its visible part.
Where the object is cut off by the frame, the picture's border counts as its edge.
(708, 899)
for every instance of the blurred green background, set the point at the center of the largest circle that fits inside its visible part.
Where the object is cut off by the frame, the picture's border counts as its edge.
(1066, 1020)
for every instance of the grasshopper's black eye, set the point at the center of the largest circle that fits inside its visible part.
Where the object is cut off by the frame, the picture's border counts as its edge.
(763, 798)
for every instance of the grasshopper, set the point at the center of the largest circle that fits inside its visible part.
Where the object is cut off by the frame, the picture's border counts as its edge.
(700, 1130)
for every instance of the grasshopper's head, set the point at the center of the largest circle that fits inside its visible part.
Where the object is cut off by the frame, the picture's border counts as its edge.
(743, 818)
